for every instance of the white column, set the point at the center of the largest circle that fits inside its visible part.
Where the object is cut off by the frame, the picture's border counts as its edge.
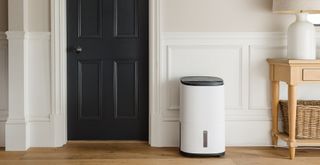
(17, 134)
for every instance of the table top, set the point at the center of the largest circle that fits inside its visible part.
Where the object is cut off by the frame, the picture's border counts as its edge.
(286, 61)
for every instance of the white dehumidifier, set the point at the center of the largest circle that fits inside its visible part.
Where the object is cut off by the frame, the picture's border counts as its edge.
(202, 116)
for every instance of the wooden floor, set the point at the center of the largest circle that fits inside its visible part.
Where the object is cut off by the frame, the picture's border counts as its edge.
(139, 153)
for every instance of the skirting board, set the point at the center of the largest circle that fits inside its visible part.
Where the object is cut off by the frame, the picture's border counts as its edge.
(17, 135)
(41, 134)
(43, 131)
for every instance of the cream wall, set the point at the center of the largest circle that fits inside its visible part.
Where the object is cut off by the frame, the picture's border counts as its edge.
(3, 15)
(39, 15)
(221, 16)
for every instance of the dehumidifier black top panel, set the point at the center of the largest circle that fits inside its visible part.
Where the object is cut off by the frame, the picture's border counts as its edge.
(202, 81)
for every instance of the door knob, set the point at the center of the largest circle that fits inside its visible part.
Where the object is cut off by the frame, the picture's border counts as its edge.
(78, 50)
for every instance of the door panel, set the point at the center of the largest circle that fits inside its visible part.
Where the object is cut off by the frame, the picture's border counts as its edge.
(126, 86)
(90, 18)
(107, 69)
(90, 89)
(125, 17)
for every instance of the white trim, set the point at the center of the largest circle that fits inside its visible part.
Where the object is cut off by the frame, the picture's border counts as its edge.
(18, 132)
(39, 119)
(16, 35)
(154, 73)
(241, 40)
(25, 35)
(223, 35)
(59, 71)
(210, 36)
(17, 123)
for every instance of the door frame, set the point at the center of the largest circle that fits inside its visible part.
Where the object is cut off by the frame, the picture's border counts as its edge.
(59, 70)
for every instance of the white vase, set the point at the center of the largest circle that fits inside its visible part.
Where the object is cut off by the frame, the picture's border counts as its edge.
(301, 39)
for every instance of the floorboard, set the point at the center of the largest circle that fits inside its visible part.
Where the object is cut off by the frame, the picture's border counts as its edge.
(140, 153)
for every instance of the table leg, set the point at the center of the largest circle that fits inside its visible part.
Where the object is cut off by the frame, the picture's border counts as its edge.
(292, 108)
(275, 105)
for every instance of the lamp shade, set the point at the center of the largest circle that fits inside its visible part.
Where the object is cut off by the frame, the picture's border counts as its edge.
(296, 6)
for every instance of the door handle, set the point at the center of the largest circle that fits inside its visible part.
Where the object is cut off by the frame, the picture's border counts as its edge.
(78, 50)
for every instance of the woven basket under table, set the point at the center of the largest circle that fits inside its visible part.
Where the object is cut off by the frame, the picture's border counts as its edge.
(308, 118)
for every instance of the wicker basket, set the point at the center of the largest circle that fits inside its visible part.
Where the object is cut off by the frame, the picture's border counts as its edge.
(308, 119)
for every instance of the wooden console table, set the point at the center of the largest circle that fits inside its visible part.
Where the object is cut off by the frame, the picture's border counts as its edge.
(293, 72)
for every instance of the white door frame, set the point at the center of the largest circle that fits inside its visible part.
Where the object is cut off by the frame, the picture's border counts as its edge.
(59, 69)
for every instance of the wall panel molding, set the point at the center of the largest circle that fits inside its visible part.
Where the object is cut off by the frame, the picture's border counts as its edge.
(257, 54)
(26, 35)
(249, 106)
(203, 59)
(39, 74)
(207, 36)
(244, 43)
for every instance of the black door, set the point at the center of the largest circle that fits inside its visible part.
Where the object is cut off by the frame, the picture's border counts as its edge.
(107, 69)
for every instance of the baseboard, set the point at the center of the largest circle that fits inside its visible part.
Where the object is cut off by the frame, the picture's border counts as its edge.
(17, 135)
(59, 130)
(41, 134)
(47, 131)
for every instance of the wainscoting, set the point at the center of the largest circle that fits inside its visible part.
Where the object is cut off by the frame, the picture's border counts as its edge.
(238, 58)
(38, 93)
(39, 88)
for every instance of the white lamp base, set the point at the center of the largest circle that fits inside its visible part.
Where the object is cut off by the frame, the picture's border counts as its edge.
(301, 39)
